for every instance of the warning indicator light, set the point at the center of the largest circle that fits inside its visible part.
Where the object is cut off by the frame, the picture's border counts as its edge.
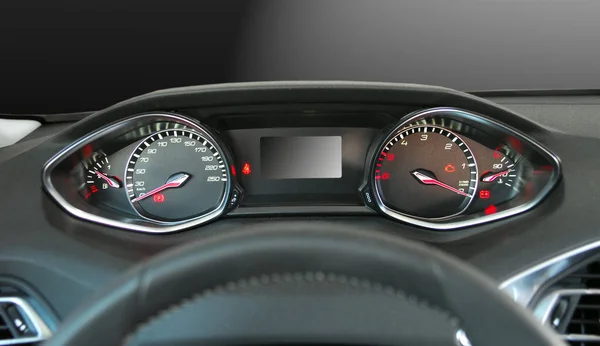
(450, 168)
(233, 170)
(246, 170)
(159, 198)
(490, 210)
(484, 194)
(390, 157)
(385, 176)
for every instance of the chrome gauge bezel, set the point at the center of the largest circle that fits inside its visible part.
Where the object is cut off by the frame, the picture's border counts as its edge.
(145, 142)
(387, 143)
(458, 220)
(131, 222)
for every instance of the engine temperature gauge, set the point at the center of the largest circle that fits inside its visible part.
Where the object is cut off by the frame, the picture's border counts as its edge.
(503, 173)
(499, 182)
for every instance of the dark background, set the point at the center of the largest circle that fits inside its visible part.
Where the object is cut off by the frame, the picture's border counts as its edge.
(77, 55)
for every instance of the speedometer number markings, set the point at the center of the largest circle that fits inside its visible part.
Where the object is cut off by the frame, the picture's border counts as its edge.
(184, 172)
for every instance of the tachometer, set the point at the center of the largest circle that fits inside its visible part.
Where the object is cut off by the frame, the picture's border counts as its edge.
(426, 171)
(176, 175)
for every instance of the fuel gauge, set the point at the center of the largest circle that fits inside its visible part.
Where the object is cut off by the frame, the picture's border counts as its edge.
(98, 176)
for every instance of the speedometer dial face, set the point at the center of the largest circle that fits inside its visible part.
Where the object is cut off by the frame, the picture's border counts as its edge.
(426, 171)
(176, 175)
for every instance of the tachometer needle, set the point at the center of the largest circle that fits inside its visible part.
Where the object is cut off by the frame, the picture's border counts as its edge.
(427, 180)
(112, 182)
(492, 177)
(174, 181)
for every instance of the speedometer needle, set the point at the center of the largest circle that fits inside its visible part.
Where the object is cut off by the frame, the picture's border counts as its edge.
(427, 180)
(493, 177)
(174, 181)
(110, 181)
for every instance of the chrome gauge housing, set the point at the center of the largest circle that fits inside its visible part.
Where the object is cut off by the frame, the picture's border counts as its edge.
(152, 148)
(454, 168)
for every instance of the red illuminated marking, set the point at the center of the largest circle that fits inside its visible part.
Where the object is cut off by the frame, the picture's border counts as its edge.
(377, 171)
(484, 194)
(87, 195)
(158, 198)
(381, 159)
(516, 144)
(246, 170)
(379, 165)
(94, 188)
(391, 157)
(88, 150)
(385, 176)
(377, 177)
(543, 170)
(497, 154)
(233, 170)
(384, 153)
(490, 210)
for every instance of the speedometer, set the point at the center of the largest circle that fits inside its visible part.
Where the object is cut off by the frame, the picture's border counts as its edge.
(426, 171)
(176, 175)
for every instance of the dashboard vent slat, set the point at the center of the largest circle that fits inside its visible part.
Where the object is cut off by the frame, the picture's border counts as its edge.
(20, 323)
(572, 308)
(4, 331)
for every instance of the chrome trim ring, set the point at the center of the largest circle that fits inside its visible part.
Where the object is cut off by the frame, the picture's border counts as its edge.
(523, 286)
(42, 330)
(132, 224)
(459, 113)
(396, 214)
(547, 305)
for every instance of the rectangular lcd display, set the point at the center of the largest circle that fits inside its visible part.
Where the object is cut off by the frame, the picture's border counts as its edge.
(314, 157)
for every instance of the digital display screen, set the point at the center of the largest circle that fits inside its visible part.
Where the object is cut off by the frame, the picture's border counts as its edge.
(310, 157)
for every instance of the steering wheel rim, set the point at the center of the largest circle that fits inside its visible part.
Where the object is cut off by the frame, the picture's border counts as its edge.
(117, 313)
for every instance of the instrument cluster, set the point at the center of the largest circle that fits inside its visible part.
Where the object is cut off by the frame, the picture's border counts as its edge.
(447, 168)
(439, 168)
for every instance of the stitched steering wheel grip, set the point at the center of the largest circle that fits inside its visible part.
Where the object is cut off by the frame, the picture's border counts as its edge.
(303, 283)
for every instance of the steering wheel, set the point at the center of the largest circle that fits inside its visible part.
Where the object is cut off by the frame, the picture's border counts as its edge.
(282, 284)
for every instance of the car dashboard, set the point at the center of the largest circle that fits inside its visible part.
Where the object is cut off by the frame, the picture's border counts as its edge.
(503, 182)
(438, 168)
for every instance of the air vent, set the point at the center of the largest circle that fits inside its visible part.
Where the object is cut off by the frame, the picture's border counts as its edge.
(572, 307)
(19, 323)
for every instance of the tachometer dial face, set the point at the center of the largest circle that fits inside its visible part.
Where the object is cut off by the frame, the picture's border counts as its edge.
(176, 175)
(426, 171)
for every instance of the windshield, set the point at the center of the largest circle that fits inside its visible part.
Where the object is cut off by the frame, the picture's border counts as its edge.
(72, 56)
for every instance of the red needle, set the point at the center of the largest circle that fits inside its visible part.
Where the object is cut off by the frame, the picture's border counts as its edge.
(427, 180)
(493, 177)
(176, 180)
(111, 182)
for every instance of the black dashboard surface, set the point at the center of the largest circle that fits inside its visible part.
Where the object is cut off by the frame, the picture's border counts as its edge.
(67, 259)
